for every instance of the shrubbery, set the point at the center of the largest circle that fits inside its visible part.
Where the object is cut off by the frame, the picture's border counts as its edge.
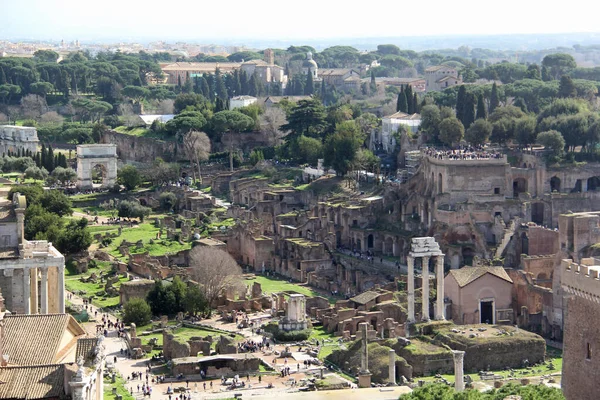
(285, 336)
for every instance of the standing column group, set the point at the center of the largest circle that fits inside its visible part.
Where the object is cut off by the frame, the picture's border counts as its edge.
(30, 291)
(439, 312)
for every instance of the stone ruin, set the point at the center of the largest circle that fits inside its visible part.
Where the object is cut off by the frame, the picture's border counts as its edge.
(226, 302)
(295, 318)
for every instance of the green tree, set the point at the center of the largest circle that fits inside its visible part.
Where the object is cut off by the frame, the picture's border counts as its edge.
(430, 121)
(167, 201)
(373, 84)
(49, 56)
(479, 132)
(137, 311)
(41, 88)
(410, 106)
(559, 64)
(55, 201)
(402, 102)
(136, 93)
(305, 150)
(534, 72)
(451, 131)
(342, 146)
(525, 130)
(185, 122)
(494, 99)
(133, 209)
(309, 88)
(129, 176)
(566, 87)
(552, 140)
(64, 175)
(75, 238)
(307, 118)
(481, 109)
(195, 302)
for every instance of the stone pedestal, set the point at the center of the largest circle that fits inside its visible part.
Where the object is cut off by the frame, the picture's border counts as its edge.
(459, 383)
(364, 380)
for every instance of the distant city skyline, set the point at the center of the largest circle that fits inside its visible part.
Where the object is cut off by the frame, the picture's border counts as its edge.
(239, 21)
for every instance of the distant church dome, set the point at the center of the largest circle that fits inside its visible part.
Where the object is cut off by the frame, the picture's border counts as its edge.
(309, 62)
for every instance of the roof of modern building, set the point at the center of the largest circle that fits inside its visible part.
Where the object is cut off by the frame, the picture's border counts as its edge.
(437, 68)
(336, 71)
(243, 98)
(200, 66)
(365, 297)
(37, 339)
(86, 348)
(37, 382)
(277, 99)
(467, 275)
(401, 115)
(447, 78)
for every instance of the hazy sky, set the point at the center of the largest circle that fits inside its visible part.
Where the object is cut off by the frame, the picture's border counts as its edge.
(286, 19)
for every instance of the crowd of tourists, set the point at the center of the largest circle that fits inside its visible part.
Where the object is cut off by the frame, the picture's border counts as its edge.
(462, 153)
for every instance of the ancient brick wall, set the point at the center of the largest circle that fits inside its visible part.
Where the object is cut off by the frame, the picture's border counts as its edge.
(141, 149)
(581, 367)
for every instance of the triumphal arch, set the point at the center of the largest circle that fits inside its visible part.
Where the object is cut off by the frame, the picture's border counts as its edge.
(90, 156)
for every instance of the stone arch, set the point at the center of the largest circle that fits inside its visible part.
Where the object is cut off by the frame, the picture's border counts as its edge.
(578, 186)
(542, 276)
(388, 247)
(370, 240)
(524, 243)
(91, 155)
(338, 238)
(520, 185)
(555, 184)
(467, 255)
(593, 183)
(537, 213)
(440, 183)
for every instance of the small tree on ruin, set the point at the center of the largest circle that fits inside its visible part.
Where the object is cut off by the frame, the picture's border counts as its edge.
(197, 148)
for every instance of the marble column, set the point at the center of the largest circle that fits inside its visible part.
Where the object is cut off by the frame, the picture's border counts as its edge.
(44, 291)
(459, 383)
(364, 376)
(26, 291)
(439, 273)
(392, 367)
(425, 288)
(411, 288)
(33, 290)
(61, 289)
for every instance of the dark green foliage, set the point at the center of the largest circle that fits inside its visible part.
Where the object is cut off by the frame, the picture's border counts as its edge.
(567, 87)
(307, 118)
(129, 176)
(445, 392)
(494, 100)
(167, 200)
(481, 109)
(479, 132)
(137, 311)
(75, 237)
(169, 299)
(283, 336)
(342, 146)
(133, 209)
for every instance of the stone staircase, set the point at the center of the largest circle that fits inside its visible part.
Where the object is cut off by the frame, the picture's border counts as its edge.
(508, 234)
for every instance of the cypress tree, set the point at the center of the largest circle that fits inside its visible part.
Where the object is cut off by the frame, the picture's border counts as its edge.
(220, 88)
(416, 106)
(402, 104)
(237, 84)
(253, 89)
(211, 87)
(244, 82)
(2, 76)
(481, 111)
(50, 159)
(219, 106)
(37, 160)
(204, 87)
(409, 100)
(63, 161)
(494, 100)
(43, 156)
(373, 84)
(309, 87)
(461, 98)
(179, 81)
(469, 110)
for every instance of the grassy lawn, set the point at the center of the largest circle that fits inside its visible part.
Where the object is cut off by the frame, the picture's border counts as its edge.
(331, 345)
(73, 284)
(551, 354)
(121, 389)
(144, 232)
(274, 285)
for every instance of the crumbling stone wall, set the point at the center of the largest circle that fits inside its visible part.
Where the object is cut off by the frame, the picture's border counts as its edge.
(173, 348)
(141, 149)
(581, 369)
(136, 288)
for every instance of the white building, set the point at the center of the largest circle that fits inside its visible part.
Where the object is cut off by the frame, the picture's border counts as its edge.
(389, 126)
(14, 138)
(241, 101)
